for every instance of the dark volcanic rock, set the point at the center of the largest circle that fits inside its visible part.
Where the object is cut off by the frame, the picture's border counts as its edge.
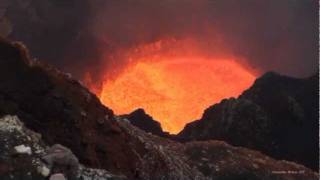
(22, 152)
(209, 160)
(145, 122)
(60, 159)
(63, 112)
(164, 160)
(25, 163)
(278, 115)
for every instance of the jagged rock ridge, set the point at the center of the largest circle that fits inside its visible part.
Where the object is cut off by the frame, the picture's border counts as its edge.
(64, 112)
(145, 122)
(278, 116)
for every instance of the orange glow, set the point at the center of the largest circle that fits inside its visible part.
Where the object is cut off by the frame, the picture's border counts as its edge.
(175, 91)
(172, 86)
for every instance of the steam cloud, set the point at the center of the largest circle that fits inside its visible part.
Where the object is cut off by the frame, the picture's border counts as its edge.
(279, 35)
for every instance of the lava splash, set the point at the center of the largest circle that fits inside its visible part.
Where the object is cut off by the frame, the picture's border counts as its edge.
(174, 90)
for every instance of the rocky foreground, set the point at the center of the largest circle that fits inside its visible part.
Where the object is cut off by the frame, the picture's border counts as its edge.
(23, 155)
(43, 110)
(277, 115)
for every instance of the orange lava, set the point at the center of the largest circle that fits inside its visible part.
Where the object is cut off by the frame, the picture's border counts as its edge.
(175, 90)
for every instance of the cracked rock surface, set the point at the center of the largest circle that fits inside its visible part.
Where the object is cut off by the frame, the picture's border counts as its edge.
(28, 166)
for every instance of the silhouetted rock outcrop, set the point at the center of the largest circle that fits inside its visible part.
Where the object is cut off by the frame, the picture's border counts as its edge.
(278, 116)
(145, 122)
(54, 105)
(62, 110)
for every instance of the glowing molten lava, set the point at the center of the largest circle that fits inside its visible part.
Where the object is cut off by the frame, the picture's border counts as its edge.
(174, 90)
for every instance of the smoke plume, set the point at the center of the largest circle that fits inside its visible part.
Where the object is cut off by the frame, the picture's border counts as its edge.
(77, 35)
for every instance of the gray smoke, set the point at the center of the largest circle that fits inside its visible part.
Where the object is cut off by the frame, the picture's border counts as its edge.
(279, 35)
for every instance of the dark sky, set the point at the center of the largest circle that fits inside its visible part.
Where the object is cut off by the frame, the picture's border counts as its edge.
(279, 35)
